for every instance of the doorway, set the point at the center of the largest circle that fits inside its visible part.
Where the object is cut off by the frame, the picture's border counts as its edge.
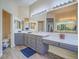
(6, 22)
(40, 26)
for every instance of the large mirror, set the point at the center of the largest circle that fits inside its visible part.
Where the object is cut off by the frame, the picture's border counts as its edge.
(19, 25)
(67, 26)
(65, 19)
(26, 23)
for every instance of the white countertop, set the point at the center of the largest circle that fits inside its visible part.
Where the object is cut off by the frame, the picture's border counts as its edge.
(43, 34)
(22, 31)
(71, 39)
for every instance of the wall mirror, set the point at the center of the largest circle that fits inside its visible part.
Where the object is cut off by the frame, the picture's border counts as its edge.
(65, 19)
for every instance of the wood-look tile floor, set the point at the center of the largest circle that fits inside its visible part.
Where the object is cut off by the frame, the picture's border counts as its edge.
(14, 53)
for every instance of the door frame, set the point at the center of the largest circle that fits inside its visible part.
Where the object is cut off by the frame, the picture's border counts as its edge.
(43, 24)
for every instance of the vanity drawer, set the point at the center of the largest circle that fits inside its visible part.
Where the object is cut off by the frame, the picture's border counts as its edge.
(51, 42)
(31, 35)
(41, 47)
(19, 39)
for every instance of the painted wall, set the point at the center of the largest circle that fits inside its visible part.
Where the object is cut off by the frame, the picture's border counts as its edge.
(4, 4)
(0, 28)
(39, 17)
(39, 6)
(23, 12)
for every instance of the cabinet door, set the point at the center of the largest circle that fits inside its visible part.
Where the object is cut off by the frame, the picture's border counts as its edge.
(31, 41)
(26, 39)
(19, 40)
(16, 39)
(41, 47)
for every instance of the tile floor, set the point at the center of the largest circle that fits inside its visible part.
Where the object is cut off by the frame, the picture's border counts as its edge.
(14, 53)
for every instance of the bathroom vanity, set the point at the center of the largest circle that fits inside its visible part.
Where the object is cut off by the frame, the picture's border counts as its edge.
(66, 48)
(69, 42)
(41, 41)
(33, 40)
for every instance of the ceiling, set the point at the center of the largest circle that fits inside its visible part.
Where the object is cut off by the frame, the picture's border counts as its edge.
(24, 2)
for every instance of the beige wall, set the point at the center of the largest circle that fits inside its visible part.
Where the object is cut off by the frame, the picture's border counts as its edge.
(39, 6)
(39, 17)
(23, 12)
(4, 4)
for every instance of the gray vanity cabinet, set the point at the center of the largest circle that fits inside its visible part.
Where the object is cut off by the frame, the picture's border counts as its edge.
(19, 39)
(51, 42)
(32, 41)
(40, 46)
